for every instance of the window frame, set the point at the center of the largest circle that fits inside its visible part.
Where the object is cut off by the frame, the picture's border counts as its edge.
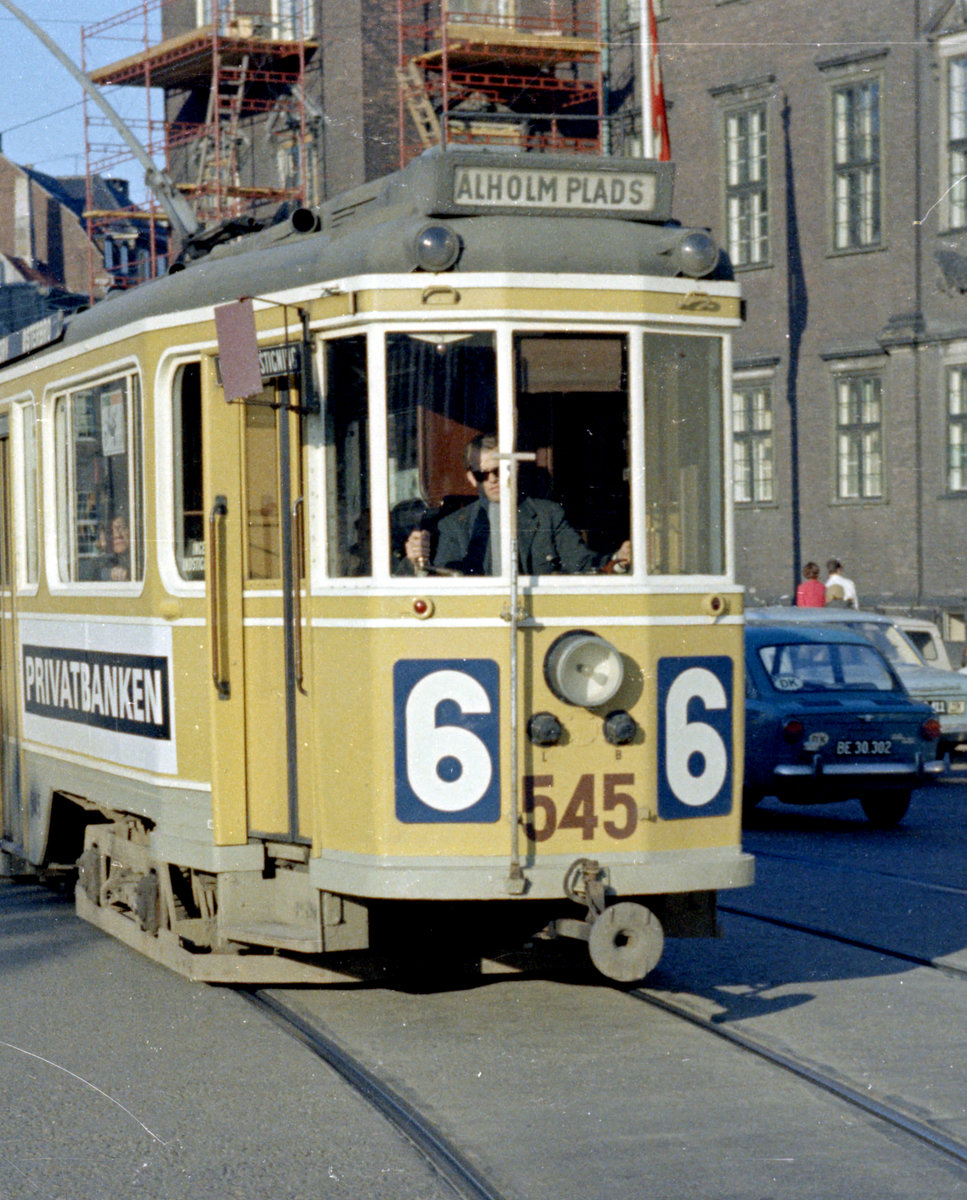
(953, 205)
(26, 498)
(855, 432)
(747, 189)
(955, 421)
(753, 436)
(58, 471)
(852, 168)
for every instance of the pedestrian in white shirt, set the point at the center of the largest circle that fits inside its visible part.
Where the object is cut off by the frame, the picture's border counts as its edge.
(839, 589)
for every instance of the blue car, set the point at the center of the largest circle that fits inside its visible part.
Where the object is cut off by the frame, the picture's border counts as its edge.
(828, 719)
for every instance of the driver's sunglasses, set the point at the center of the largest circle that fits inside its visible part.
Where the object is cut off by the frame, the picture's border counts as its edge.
(481, 476)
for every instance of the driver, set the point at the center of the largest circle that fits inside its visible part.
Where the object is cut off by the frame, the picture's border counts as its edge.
(469, 539)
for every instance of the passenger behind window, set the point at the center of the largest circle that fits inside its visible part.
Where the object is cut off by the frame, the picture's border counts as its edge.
(114, 546)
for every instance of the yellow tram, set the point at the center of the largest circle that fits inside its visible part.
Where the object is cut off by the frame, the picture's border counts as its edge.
(367, 583)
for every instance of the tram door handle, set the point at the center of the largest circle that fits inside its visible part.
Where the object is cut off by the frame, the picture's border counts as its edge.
(298, 567)
(216, 586)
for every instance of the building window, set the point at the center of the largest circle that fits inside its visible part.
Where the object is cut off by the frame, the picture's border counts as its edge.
(856, 166)
(746, 186)
(957, 429)
(859, 437)
(292, 19)
(753, 473)
(957, 142)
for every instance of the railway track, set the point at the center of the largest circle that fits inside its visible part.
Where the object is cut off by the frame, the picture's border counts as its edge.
(891, 1114)
(854, 869)
(954, 969)
(467, 1180)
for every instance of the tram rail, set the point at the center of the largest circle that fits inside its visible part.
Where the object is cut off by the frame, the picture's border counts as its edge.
(467, 1179)
(890, 1113)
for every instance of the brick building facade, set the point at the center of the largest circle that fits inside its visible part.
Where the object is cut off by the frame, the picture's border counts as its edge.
(831, 158)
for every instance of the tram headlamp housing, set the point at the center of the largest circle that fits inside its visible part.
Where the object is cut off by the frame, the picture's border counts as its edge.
(436, 248)
(620, 728)
(697, 254)
(544, 729)
(583, 669)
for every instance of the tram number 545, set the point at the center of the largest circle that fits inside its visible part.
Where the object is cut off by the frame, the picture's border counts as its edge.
(694, 737)
(619, 808)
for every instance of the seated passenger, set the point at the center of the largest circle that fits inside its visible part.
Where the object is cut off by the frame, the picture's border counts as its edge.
(546, 543)
(115, 544)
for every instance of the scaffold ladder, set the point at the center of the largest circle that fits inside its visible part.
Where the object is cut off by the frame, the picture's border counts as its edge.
(418, 104)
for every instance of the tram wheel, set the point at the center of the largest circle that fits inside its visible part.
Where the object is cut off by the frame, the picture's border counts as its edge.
(626, 942)
(885, 811)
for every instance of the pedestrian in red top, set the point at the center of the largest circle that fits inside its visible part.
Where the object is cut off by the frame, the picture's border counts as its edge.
(811, 593)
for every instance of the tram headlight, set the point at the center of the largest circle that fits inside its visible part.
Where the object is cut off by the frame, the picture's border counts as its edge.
(697, 254)
(583, 669)
(436, 248)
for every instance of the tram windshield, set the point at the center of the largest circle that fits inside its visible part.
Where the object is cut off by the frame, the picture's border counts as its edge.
(571, 421)
(576, 414)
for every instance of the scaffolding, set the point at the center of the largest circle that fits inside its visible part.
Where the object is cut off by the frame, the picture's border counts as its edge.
(220, 79)
(520, 73)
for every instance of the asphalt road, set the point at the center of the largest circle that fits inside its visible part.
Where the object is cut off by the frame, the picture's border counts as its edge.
(122, 1080)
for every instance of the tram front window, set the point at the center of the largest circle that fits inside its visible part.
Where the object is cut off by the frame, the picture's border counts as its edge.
(571, 415)
(441, 393)
(684, 492)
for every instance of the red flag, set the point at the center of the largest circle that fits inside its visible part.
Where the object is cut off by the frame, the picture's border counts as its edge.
(654, 105)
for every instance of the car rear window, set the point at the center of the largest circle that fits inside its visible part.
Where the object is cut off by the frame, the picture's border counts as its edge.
(826, 667)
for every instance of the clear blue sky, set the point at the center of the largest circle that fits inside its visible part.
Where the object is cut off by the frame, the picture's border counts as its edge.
(41, 114)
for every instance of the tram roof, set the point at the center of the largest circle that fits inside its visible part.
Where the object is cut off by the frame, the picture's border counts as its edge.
(505, 210)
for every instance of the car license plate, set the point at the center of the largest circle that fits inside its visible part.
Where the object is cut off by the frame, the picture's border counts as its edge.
(948, 707)
(864, 746)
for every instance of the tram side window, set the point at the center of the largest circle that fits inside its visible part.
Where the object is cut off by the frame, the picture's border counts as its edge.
(98, 439)
(348, 502)
(189, 528)
(684, 484)
(31, 561)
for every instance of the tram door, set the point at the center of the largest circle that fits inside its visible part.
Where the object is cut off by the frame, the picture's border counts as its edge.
(256, 531)
(13, 816)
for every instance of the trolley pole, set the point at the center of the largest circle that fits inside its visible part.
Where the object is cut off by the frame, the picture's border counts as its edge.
(184, 223)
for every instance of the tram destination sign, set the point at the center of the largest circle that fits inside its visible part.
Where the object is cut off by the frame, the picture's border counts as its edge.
(32, 337)
(635, 189)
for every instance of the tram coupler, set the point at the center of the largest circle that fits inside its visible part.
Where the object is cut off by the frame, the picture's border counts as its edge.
(585, 883)
(625, 940)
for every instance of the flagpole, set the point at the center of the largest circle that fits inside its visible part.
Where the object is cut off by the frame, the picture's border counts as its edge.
(647, 92)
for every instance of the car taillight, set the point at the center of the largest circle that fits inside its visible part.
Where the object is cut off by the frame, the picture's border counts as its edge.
(792, 731)
(930, 729)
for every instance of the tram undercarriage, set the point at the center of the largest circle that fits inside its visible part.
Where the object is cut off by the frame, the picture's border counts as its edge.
(274, 927)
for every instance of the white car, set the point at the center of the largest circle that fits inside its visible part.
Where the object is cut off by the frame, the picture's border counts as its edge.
(944, 690)
(926, 637)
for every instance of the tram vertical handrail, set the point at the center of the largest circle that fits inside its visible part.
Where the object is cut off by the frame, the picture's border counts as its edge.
(298, 565)
(215, 581)
(515, 882)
